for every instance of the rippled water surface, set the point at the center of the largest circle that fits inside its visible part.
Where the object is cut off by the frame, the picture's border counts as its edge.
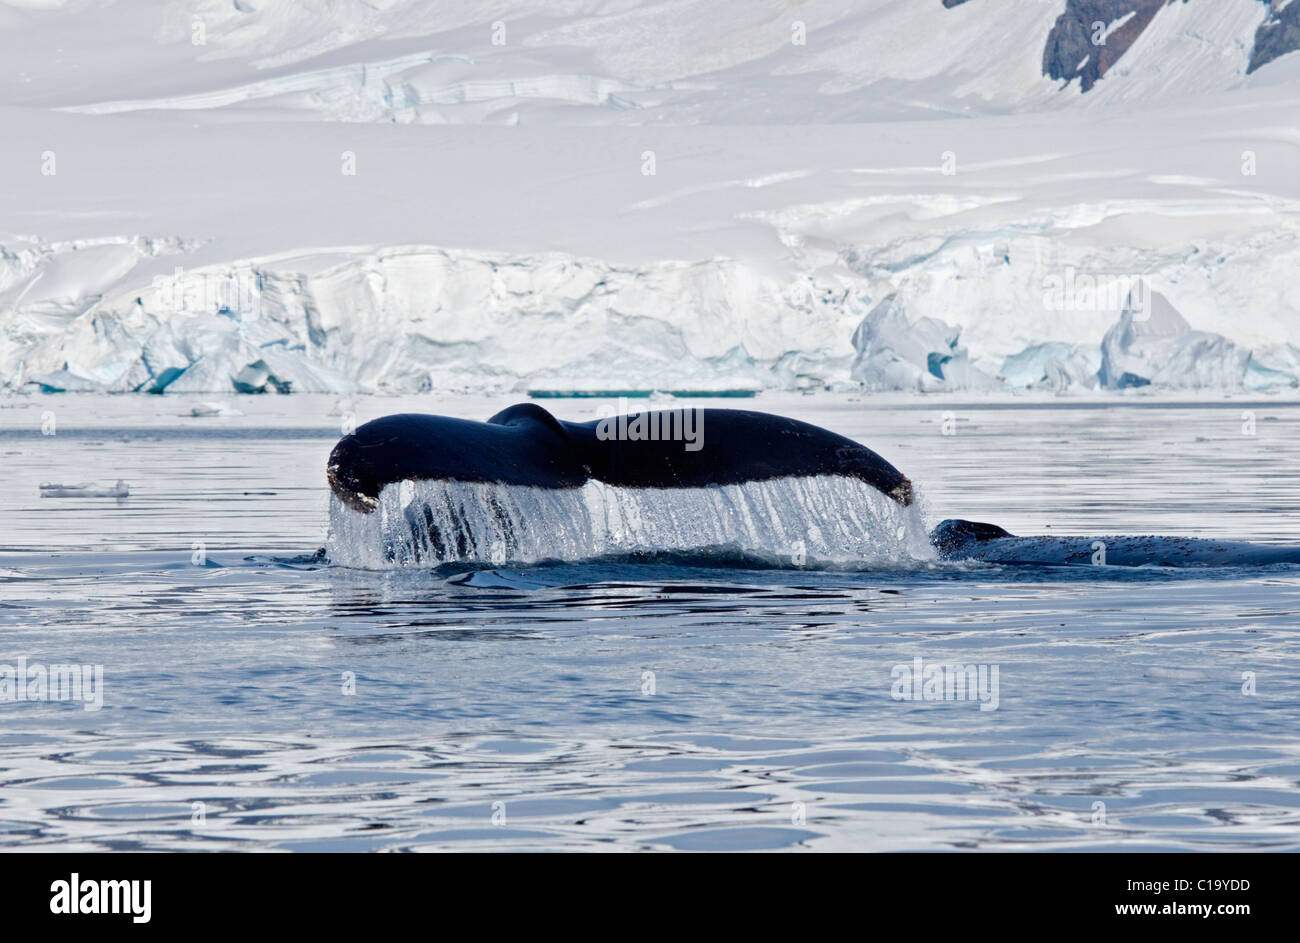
(264, 700)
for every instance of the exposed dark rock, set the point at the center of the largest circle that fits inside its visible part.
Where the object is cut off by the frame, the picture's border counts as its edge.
(1071, 52)
(1276, 36)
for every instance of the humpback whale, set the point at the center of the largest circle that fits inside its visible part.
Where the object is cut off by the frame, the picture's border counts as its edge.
(973, 540)
(526, 445)
(683, 451)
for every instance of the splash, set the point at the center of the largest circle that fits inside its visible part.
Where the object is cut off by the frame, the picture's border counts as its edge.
(795, 521)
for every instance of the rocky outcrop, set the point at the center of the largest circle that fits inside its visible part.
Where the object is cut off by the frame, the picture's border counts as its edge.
(1276, 36)
(1091, 35)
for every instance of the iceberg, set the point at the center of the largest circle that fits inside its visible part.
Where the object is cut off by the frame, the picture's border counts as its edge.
(1273, 367)
(1052, 366)
(894, 353)
(1152, 344)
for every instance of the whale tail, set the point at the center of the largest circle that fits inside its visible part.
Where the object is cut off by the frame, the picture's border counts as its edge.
(349, 476)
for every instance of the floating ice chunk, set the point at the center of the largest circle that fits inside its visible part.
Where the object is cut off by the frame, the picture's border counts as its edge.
(118, 490)
(215, 409)
(1162, 350)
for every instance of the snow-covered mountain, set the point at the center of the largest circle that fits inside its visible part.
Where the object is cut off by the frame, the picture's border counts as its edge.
(692, 194)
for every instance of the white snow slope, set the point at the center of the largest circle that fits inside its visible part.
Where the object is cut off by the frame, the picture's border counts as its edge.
(331, 195)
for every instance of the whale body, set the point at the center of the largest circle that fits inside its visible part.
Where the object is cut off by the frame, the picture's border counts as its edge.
(973, 540)
(526, 445)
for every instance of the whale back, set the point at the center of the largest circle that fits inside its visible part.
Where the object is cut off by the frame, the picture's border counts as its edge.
(988, 543)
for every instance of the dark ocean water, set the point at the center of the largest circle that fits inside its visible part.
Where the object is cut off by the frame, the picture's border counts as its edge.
(254, 696)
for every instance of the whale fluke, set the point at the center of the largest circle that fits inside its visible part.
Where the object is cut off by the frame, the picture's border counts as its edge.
(526, 445)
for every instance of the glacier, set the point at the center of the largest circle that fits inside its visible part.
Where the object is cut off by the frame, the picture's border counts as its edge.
(1153, 344)
(395, 321)
(377, 198)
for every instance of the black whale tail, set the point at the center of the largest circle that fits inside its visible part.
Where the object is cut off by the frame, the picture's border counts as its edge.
(525, 445)
(525, 487)
(349, 475)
